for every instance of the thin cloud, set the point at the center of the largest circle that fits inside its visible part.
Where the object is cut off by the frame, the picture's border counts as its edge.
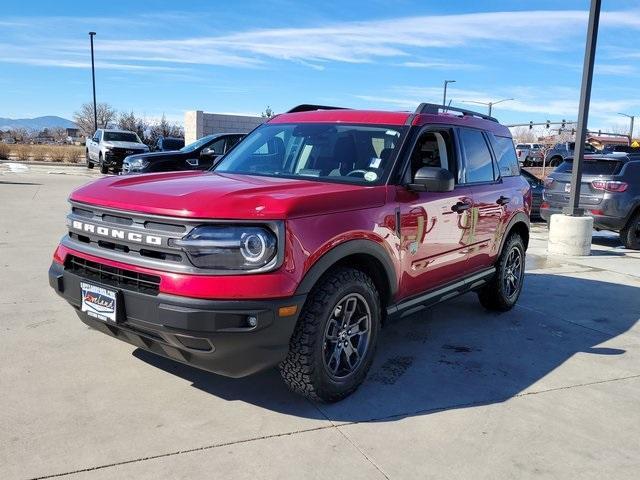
(346, 42)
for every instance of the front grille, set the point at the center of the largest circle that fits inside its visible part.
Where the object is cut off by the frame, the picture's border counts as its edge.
(116, 277)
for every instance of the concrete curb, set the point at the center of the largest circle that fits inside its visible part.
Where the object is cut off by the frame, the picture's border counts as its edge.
(45, 164)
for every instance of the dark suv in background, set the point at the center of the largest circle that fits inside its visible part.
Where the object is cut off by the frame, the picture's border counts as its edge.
(199, 155)
(561, 151)
(609, 192)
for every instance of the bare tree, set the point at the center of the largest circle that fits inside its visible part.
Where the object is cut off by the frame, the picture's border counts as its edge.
(523, 135)
(21, 135)
(163, 128)
(59, 134)
(268, 112)
(83, 118)
(129, 121)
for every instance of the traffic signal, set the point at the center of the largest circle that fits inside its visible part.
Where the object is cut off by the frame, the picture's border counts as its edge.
(530, 125)
(563, 122)
(548, 124)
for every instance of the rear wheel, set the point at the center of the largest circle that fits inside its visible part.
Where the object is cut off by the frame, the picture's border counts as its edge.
(333, 344)
(103, 168)
(630, 234)
(555, 161)
(502, 293)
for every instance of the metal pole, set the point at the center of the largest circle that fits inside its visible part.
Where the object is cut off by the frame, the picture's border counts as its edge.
(631, 129)
(444, 96)
(93, 77)
(490, 105)
(583, 115)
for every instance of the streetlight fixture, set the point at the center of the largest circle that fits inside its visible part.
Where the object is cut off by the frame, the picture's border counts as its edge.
(444, 97)
(488, 104)
(93, 77)
(632, 117)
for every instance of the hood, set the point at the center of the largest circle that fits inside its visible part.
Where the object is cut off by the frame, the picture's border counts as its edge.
(132, 145)
(151, 156)
(226, 196)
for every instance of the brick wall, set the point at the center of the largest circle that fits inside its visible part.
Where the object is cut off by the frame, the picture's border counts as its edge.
(197, 124)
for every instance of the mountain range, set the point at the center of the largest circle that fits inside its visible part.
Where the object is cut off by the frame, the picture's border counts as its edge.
(38, 123)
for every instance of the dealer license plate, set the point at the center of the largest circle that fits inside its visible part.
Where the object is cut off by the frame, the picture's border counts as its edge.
(99, 302)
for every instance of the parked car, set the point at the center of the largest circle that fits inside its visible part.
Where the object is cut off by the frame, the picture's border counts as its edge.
(537, 186)
(530, 154)
(561, 151)
(199, 155)
(164, 144)
(108, 148)
(609, 192)
(314, 229)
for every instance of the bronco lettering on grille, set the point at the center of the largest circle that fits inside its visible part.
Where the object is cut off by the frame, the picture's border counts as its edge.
(117, 233)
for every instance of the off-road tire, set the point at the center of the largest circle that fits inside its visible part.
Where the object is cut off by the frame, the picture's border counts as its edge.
(630, 234)
(304, 370)
(493, 295)
(88, 159)
(103, 168)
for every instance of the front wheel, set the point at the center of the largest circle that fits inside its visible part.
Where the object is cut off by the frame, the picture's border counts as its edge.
(502, 293)
(88, 159)
(333, 344)
(104, 169)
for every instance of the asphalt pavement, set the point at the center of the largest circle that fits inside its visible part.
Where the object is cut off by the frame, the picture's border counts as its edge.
(550, 389)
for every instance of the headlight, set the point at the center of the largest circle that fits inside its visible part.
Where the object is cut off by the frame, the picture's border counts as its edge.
(229, 247)
(136, 164)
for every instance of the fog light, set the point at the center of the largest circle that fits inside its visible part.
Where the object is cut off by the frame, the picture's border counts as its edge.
(252, 321)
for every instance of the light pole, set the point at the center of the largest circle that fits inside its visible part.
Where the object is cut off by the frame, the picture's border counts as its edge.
(488, 104)
(93, 77)
(444, 97)
(632, 117)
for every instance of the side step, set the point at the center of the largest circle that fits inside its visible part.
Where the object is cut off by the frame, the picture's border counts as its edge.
(415, 304)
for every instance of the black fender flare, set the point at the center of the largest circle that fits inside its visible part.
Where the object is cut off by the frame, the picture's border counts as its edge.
(343, 250)
(519, 217)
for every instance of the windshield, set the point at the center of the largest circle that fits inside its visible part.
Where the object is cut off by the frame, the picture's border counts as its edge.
(198, 143)
(172, 143)
(356, 154)
(121, 137)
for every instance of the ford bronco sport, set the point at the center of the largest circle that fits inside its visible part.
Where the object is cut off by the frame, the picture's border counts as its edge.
(318, 227)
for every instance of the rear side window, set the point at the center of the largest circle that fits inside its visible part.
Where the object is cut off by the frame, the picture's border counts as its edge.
(478, 161)
(592, 167)
(506, 156)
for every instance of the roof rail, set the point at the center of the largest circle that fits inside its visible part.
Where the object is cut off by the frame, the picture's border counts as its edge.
(305, 107)
(434, 109)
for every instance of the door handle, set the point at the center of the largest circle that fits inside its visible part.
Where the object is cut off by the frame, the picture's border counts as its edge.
(503, 200)
(460, 207)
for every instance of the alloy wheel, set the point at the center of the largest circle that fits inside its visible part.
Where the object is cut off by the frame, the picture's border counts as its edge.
(513, 270)
(347, 336)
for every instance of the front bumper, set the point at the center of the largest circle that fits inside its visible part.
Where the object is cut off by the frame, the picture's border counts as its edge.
(213, 335)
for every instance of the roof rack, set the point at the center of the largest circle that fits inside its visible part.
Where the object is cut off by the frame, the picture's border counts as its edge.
(305, 107)
(434, 109)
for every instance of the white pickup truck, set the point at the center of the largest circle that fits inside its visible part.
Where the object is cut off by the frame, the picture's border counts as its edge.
(108, 148)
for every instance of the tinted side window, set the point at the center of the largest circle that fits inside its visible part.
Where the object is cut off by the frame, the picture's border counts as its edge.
(217, 146)
(506, 156)
(478, 161)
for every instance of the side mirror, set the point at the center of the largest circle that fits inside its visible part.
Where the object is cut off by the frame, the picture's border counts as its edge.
(208, 153)
(432, 179)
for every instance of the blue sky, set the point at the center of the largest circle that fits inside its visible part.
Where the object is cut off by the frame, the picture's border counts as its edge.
(168, 57)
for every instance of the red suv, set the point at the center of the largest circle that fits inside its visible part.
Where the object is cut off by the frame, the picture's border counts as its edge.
(319, 227)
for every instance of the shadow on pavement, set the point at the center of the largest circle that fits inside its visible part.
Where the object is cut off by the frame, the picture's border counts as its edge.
(457, 355)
